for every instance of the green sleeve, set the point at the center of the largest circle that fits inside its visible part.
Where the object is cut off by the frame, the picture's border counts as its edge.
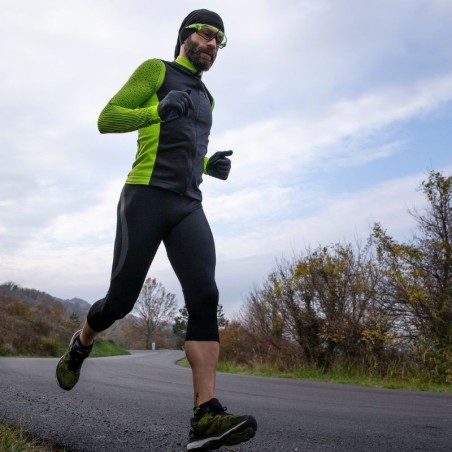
(125, 112)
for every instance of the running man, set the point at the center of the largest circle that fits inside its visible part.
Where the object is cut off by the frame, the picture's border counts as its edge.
(170, 107)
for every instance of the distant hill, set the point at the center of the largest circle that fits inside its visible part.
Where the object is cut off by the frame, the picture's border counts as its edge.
(76, 305)
(35, 323)
(73, 306)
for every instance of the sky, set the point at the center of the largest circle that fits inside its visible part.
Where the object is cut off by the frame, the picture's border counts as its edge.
(336, 111)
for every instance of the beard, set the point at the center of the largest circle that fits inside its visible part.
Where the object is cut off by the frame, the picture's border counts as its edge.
(197, 55)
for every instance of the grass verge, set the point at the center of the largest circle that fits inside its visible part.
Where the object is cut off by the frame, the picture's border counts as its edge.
(18, 440)
(416, 383)
(102, 347)
(107, 348)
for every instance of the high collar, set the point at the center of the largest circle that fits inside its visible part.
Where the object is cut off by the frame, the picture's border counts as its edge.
(187, 64)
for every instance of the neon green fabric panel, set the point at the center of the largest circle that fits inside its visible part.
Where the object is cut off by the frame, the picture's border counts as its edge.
(147, 147)
(134, 107)
(130, 108)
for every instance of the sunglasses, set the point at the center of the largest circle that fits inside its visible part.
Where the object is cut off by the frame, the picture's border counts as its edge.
(208, 32)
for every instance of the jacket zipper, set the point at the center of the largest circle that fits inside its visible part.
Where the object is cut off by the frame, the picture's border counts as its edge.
(193, 153)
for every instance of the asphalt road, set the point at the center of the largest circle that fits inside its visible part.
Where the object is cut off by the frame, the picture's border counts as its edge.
(143, 402)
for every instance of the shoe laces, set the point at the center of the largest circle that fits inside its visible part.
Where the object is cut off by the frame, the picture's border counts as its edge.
(221, 410)
(215, 408)
(76, 358)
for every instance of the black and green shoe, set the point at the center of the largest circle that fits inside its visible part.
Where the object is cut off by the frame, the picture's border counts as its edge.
(68, 367)
(212, 428)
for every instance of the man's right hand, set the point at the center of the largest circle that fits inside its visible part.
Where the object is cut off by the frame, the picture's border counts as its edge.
(175, 104)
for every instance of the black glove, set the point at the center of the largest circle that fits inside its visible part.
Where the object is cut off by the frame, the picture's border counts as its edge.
(219, 165)
(175, 104)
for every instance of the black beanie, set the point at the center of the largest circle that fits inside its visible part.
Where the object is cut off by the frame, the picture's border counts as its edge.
(199, 16)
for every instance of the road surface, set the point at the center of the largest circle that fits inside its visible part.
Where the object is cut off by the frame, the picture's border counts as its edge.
(143, 402)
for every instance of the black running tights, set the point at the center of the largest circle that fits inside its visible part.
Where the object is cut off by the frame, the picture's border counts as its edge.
(146, 217)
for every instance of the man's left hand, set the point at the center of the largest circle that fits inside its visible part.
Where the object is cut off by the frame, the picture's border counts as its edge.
(219, 165)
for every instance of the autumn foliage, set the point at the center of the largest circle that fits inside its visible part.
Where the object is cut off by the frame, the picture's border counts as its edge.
(382, 308)
(33, 322)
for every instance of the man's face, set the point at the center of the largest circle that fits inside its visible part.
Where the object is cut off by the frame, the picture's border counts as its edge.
(200, 52)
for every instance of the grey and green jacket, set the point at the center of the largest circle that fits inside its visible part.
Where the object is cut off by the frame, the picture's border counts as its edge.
(172, 154)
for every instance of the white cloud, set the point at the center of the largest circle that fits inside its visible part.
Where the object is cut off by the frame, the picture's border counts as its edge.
(282, 151)
(93, 224)
(337, 218)
(244, 207)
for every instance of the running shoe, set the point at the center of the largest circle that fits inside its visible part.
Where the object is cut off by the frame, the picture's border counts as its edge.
(68, 368)
(212, 427)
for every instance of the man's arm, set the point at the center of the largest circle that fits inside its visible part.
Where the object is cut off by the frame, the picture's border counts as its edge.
(124, 112)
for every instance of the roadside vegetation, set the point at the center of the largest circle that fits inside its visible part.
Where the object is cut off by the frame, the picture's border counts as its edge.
(341, 376)
(377, 313)
(43, 329)
(35, 324)
(18, 440)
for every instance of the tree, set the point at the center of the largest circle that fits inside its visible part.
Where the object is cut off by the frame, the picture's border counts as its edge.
(222, 320)
(154, 308)
(181, 321)
(74, 318)
(180, 327)
(417, 277)
(322, 302)
(434, 240)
